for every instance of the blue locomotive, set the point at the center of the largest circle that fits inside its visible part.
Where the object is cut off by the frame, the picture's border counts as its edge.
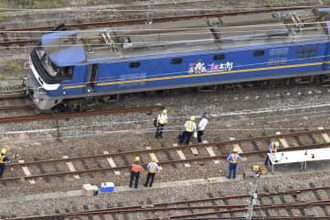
(72, 68)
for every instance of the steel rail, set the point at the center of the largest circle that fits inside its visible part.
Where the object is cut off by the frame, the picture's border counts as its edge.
(221, 143)
(151, 208)
(129, 166)
(159, 19)
(78, 114)
(12, 96)
(17, 107)
(263, 194)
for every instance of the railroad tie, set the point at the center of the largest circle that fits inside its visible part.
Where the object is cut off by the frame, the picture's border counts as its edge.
(283, 141)
(153, 155)
(324, 135)
(112, 163)
(181, 155)
(27, 172)
(71, 167)
(211, 152)
(239, 150)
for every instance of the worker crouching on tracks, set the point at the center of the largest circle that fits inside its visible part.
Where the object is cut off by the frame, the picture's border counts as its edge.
(3, 160)
(273, 148)
(161, 121)
(233, 159)
(190, 128)
(152, 169)
(136, 169)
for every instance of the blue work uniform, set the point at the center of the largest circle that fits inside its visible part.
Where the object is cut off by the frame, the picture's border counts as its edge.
(233, 159)
(272, 149)
(3, 159)
(152, 168)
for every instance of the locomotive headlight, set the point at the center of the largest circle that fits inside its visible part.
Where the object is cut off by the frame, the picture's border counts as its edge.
(37, 100)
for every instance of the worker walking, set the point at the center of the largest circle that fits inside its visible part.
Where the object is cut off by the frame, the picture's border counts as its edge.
(232, 160)
(190, 127)
(201, 127)
(161, 121)
(273, 148)
(3, 160)
(152, 169)
(136, 169)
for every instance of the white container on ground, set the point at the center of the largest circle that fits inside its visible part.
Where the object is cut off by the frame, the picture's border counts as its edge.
(107, 187)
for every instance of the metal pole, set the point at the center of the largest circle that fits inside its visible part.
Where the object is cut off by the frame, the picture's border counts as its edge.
(150, 11)
(253, 197)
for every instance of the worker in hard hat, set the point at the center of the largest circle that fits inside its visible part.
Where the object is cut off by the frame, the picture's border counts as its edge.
(160, 123)
(190, 127)
(273, 148)
(135, 174)
(232, 159)
(152, 169)
(3, 160)
(201, 127)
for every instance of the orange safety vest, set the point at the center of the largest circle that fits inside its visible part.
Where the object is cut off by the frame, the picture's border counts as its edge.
(136, 168)
(234, 158)
(274, 148)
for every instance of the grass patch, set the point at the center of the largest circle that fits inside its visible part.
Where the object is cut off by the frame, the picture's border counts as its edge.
(271, 3)
(13, 67)
(3, 78)
(3, 17)
(317, 139)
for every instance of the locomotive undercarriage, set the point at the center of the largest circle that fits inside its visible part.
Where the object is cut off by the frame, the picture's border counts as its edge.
(91, 103)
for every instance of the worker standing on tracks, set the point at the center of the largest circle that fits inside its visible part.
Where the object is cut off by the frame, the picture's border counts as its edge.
(273, 148)
(3, 160)
(201, 127)
(190, 127)
(232, 160)
(152, 169)
(136, 169)
(161, 121)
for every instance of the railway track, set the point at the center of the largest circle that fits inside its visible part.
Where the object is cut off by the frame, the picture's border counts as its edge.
(61, 115)
(299, 203)
(44, 170)
(15, 101)
(24, 40)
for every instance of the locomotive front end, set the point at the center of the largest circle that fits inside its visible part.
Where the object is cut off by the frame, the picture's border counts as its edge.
(37, 86)
(50, 65)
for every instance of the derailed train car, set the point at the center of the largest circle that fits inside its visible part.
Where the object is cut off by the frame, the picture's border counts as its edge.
(73, 68)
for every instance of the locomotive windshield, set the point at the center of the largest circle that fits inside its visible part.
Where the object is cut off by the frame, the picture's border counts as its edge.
(53, 70)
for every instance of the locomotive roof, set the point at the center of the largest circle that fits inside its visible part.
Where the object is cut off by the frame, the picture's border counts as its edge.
(129, 42)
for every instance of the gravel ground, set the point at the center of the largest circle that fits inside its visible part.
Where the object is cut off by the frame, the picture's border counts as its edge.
(180, 192)
(126, 132)
(238, 113)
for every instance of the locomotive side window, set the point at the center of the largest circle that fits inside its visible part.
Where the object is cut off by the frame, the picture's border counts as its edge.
(134, 65)
(258, 53)
(219, 57)
(307, 51)
(176, 61)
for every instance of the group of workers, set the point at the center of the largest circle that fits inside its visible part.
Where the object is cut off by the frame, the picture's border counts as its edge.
(137, 168)
(190, 127)
(153, 167)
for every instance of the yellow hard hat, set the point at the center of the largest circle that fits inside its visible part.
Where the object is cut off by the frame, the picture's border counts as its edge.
(165, 111)
(137, 158)
(277, 144)
(235, 150)
(192, 118)
(3, 151)
(153, 159)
